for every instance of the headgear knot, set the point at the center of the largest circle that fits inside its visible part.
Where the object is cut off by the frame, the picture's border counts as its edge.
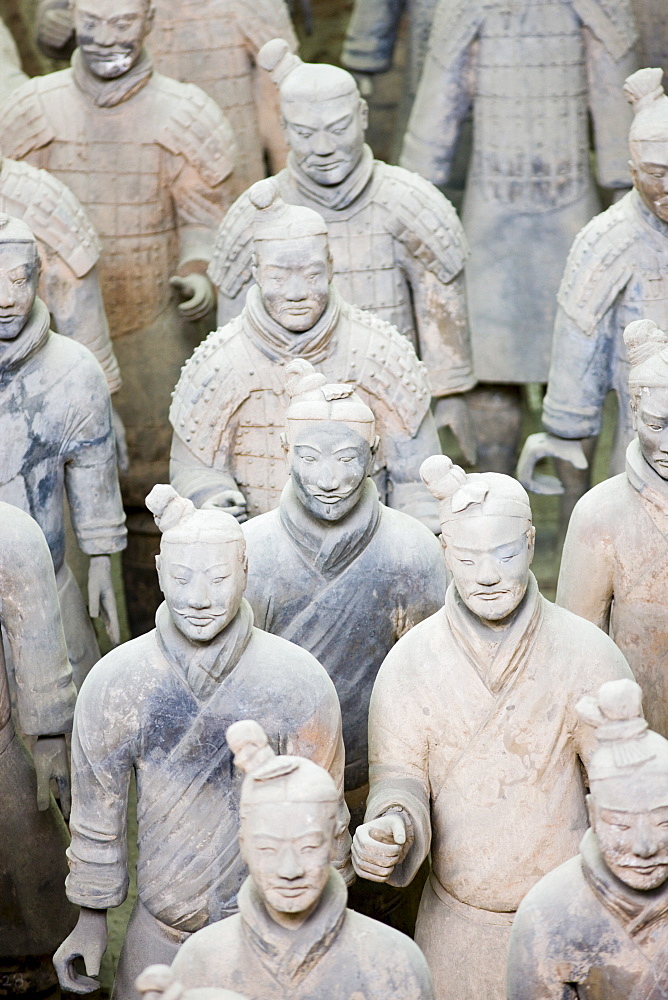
(314, 400)
(647, 347)
(476, 494)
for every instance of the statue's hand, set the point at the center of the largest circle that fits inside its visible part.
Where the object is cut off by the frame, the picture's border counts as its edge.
(538, 446)
(364, 83)
(122, 455)
(52, 762)
(88, 940)
(101, 596)
(231, 501)
(55, 28)
(198, 292)
(453, 412)
(157, 983)
(378, 846)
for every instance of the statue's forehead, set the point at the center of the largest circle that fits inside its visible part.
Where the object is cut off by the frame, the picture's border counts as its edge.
(654, 400)
(332, 433)
(480, 532)
(651, 150)
(299, 250)
(321, 107)
(111, 9)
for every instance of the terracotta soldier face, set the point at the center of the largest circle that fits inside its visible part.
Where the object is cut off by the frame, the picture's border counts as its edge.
(329, 464)
(650, 419)
(327, 136)
(489, 558)
(294, 276)
(630, 820)
(19, 278)
(203, 583)
(111, 33)
(650, 176)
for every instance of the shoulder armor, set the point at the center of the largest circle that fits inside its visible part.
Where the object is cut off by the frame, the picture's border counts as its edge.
(197, 129)
(212, 386)
(455, 25)
(390, 369)
(597, 267)
(612, 21)
(424, 221)
(262, 20)
(25, 124)
(230, 267)
(53, 213)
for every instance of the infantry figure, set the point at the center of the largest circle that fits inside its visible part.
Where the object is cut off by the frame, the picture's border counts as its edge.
(531, 73)
(159, 706)
(213, 43)
(617, 272)
(614, 567)
(397, 244)
(229, 405)
(33, 836)
(57, 442)
(149, 159)
(293, 934)
(597, 926)
(475, 750)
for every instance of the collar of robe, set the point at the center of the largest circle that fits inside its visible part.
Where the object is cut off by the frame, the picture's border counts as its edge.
(204, 665)
(109, 93)
(637, 910)
(330, 546)
(496, 653)
(279, 344)
(645, 479)
(290, 955)
(334, 196)
(32, 337)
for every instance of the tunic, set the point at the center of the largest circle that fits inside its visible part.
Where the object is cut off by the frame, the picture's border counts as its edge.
(581, 932)
(398, 249)
(335, 954)
(531, 71)
(346, 591)
(474, 735)
(614, 571)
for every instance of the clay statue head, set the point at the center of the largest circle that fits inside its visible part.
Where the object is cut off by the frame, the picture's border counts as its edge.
(324, 117)
(110, 33)
(647, 348)
(330, 442)
(292, 264)
(289, 824)
(487, 535)
(157, 982)
(202, 564)
(628, 779)
(648, 139)
(19, 275)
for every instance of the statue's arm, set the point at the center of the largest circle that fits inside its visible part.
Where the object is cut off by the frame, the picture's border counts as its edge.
(531, 972)
(404, 455)
(610, 112)
(193, 478)
(272, 21)
(55, 28)
(586, 575)
(444, 341)
(371, 35)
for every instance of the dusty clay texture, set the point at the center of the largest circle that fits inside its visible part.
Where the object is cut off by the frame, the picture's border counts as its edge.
(150, 160)
(33, 836)
(614, 568)
(57, 442)
(293, 933)
(157, 982)
(11, 74)
(475, 749)
(229, 405)
(653, 30)
(397, 244)
(597, 926)
(214, 44)
(160, 705)
(616, 273)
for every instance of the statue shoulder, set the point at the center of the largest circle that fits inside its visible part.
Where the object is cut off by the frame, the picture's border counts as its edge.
(455, 24)
(26, 123)
(612, 21)
(194, 127)
(230, 267)
(262, 20)
(52, 211)
(424, 221)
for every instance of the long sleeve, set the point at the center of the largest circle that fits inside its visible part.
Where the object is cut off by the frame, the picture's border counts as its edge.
(611, 114)
(44, 9)
(371, 35)
(586, 575)
(200, 208)
(404, 455)
(444, 343)
(193, 478)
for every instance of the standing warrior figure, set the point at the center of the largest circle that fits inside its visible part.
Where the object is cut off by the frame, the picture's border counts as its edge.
(33, 836)
(159, 706)
(214, 44)
(57, 442)
(397, 244)
(597, 926)
(614, 567)
(149, 159)
(475, 750)
(229, 406)
(531, 71)
(293, 935)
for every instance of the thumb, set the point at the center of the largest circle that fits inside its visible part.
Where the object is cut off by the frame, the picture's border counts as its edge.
(179, 283)
(398, 829)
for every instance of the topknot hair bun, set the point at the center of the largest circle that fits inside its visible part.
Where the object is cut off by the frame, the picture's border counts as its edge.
(301, 376)
(441, 477)
(263, 193)
(644, 339)
(643, 87)
(276, 58)
(621, 700)
(167, 507)
(248, 742)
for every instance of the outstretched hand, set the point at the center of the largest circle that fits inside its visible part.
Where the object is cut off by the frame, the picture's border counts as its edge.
(198, 293)
(231, 501)
(101, 596)
(539, 446)
(453, 412)
(88, 940)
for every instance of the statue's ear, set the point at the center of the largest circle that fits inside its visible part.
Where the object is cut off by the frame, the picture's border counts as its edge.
(285, 444)
(364, 114)
(375, 446)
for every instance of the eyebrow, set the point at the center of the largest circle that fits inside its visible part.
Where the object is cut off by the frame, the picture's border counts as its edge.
(654, 416)
(345, 447)
(498, 548)
(313, 447)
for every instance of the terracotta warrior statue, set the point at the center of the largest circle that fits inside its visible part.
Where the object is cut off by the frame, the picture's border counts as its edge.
(397, 244)
(617, 272)
(57, 443)
(213, 43)
(293, 935)
(597, 926)
(229, 405)
(33, 836)
(531, 73)
(475, 750)
(150, 160)
(614, 566)
(159, 706)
